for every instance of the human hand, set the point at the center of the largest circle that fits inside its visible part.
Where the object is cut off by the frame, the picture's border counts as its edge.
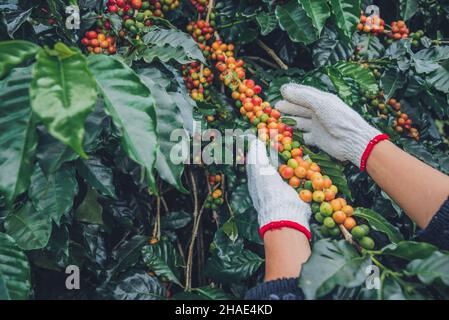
(329, 123)
(276, 202)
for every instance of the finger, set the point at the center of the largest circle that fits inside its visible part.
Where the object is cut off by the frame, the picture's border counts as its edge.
(303, 124)
(288, 108)
(308, 139)
(302, 95)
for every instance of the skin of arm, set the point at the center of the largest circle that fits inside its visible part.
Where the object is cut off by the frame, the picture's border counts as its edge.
(416, 187)
(286, 250)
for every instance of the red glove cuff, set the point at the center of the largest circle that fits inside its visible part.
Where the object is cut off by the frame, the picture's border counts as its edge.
(285, 224)
(369, 148)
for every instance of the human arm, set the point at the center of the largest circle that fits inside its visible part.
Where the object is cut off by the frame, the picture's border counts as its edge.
(334, 127)
(415, 186)
(284, 224)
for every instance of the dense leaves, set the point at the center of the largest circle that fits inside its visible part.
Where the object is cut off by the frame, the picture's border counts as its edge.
(171, 44)
(93, 165)
(333, 264)
(18, 137)
(15, 278)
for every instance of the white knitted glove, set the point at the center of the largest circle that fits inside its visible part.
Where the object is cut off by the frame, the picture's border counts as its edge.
(328, 123)
(277, 203)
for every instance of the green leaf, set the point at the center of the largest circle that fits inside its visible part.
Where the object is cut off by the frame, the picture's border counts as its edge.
(89, 211)
(18, 136)
(248, 226)
(294, 20)
(391, 81)
(347, 14)
(334, 170)
(63, 93)
(230, 228)
(332, 264)
(342, 86)
(369, 46)
(435, 54)
(267, 22)
(162, 259)
(29, 227)
(230, 262)
(440, 78)
(392, 289)
(97, 175)
(138, 286)
(431, 268)
(169, 121)
(130, 105)
(318, 11)
(361, 75)
(409, 250)
(329, 49)
(244, 214)
(15, 277)
(52, 153)
(240, 201)
(14, 53)
(233, 268)
(379, 223)
(53, 195)
(169, 44)
(209, 293)
(127, 254)
(175, 220)
(408, 8)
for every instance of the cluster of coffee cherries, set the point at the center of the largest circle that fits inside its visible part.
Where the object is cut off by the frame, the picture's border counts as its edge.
(398, 31)
(127, 7)
(220, 51)
(197, 78)
(135, 15)
(299, 172)
(200, 5)
(372, 24)
(200, 30)
(416, 37)
(99, 43)
(215, 198)
(403, 123)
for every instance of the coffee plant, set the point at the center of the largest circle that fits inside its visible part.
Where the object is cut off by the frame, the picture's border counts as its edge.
(87, 113)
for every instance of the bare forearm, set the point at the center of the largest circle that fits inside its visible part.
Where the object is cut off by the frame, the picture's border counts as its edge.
(418, 188)
(285, 251)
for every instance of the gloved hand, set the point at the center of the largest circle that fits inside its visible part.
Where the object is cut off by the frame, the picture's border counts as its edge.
(329, 123)
(277, 203)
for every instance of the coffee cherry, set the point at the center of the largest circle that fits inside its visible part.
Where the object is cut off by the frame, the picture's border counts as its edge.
(326, 209)
(305, 195)
(318, 196)
(349, 223)
(334, 232)
(367, 243)
(339, 217)
(329, 222)
(318, 217)
(358, 232)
